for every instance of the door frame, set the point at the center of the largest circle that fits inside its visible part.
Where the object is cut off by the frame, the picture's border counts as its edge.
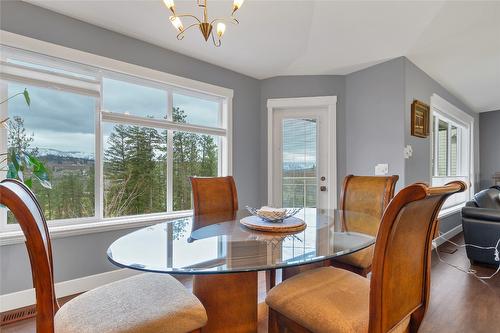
(330, 104)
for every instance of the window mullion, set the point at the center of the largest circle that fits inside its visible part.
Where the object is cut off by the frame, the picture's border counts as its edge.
(170, 156)
(161, 123)
(436, 145)
(3, 145)
(99, 159)
(448, 151)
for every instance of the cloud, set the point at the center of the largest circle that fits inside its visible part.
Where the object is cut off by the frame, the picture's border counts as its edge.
(53, 110)
(66, 121)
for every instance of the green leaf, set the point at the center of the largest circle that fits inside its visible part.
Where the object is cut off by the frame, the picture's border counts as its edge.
(15, 160)
(39, 170)
(26, 159)
(12, 171)
(27, 97)
(28, 182)
(20, 175)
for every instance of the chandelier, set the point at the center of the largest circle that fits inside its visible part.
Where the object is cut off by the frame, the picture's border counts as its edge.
(206, 27)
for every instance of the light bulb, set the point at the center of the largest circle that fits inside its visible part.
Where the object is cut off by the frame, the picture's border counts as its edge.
(221, 28)
(237, 4)
(177, 23)
(170, 4)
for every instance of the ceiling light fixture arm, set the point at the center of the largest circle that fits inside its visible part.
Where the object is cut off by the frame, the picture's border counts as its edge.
(217, 42)
(226, 19)
(180, 35)
(187, 15)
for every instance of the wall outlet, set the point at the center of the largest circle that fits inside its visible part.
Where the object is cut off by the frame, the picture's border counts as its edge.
(408, 151)
(381, 169)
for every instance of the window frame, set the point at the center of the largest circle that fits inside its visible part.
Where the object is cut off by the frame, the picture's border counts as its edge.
(444, 110)
(114, 69)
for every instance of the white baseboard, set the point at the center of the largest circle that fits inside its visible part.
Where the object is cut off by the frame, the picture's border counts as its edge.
(447, 235)
(26, 297)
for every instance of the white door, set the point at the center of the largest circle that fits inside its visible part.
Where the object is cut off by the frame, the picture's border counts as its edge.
(300, 152)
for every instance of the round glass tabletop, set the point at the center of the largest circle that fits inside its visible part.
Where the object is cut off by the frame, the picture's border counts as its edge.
(221, 244)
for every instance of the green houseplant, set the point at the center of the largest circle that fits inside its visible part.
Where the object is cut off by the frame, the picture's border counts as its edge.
(22, 165)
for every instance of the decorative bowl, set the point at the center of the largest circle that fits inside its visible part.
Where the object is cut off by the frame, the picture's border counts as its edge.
(276, 218)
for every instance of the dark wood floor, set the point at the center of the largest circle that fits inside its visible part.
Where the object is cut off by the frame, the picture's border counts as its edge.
(459, 302)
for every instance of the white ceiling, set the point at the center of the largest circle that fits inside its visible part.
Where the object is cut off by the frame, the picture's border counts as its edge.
(456, 43)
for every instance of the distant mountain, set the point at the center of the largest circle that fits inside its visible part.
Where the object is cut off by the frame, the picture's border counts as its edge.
(298, 165)
(72, 154)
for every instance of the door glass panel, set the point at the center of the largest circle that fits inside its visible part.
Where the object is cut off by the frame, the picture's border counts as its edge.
(299, 167)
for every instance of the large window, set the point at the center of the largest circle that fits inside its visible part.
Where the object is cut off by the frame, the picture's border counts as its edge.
(452, 157)
(115, 145)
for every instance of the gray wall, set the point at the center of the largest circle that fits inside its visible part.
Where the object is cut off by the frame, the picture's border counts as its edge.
(302, 86)
(419, 85)
(374, 108)
(489, 126)
(86, 255)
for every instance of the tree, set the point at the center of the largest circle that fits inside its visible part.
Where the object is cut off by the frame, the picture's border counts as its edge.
(18, 139)
(135, 167)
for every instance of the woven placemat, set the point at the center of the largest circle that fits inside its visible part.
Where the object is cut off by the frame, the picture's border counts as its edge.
(290, 224)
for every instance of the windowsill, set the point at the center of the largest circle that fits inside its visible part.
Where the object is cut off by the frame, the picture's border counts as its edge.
(16, 236)
(450, 210)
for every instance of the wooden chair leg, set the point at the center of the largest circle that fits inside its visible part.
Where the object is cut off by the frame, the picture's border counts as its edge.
(273, 325)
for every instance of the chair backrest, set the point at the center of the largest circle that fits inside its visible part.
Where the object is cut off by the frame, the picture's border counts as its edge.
(214, 200)
(400, 281)
(368, 195)
(19, 199)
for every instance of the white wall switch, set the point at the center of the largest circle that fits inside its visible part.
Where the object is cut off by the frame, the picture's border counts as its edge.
(381, 169)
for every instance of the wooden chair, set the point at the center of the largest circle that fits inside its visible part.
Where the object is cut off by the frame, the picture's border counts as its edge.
(368, 195)
(142, 303)
(214, 200)
(394, 300)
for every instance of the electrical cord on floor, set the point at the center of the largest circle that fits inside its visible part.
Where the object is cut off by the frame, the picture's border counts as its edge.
(470, 270)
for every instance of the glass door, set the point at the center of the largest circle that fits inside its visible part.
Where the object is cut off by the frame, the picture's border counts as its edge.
(300, 158)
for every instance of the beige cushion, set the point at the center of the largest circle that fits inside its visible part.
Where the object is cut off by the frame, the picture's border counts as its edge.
(144, 303)
(362, 258)
(326, 300)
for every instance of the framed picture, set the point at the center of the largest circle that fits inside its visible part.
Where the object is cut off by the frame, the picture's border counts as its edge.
(420, 119)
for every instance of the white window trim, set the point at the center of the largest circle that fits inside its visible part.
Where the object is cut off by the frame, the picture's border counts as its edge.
(448, 110)
(65, 228)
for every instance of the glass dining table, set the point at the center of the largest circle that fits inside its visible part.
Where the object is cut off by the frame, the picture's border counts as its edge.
(224, 256)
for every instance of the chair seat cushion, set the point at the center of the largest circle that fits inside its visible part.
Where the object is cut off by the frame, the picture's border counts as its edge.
(143, 303)
(326, 299)
(362, 258)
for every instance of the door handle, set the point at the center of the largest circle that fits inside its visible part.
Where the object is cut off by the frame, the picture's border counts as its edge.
(322, 188)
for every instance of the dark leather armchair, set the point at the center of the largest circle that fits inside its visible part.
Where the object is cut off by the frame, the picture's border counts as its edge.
(481, 224)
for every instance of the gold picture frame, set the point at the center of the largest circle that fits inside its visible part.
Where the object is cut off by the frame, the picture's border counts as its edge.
(420, 119)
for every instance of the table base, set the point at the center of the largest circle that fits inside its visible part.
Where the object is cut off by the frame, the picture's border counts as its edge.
(230, 301)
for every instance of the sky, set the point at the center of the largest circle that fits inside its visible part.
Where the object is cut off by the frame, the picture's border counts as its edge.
(66, 121)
